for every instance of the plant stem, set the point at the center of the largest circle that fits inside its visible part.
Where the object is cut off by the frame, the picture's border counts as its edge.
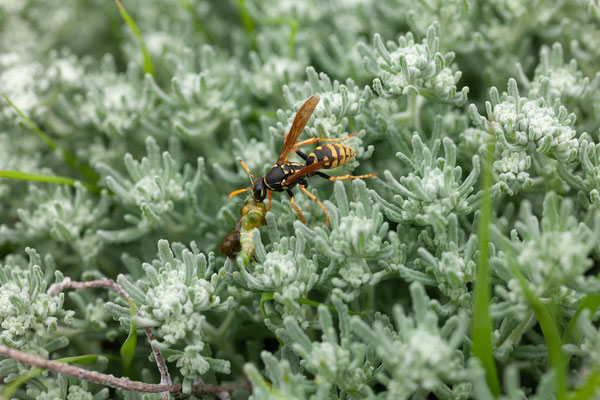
(112, 381)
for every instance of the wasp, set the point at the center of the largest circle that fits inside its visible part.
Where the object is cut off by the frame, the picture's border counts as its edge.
(285, 174)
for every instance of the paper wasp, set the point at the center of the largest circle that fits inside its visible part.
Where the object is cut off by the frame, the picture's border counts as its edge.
(285, 175)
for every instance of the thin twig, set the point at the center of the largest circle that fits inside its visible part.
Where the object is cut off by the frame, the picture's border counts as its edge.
(56, 288)
(112, 381)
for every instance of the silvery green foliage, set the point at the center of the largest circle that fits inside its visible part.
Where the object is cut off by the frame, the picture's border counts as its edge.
(68, 388)
(565, 81)
(13, 156)
(411, 68)
(202, 94)
(157, 192)
(537, 124)
(112, 103)
(20, 79)
(552, 252)
(257, 153)
(282, 382)
(589, 159)
(454, 16)
(268, 73)
(228, 79)
(419, 355)
(63, 215)
(179, 287)
(284, 270)
(26, 311)
(355, 240)
(512, 170)
(433, 190)
(334, 361)
(590, 347)
(450, 266)
(30, 321)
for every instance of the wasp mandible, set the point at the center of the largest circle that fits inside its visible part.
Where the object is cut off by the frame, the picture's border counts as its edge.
(285, 175)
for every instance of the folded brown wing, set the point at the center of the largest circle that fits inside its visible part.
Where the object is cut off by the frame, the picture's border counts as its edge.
(298, 125)
(310, 168)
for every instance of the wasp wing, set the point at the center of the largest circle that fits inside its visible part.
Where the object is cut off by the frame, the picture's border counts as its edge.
(298, 125)
(307, 169)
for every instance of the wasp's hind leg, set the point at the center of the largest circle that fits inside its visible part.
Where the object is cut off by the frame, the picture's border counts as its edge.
(344, 177)
(295, 207)
(313, 197)
(301, 154)
(317, 140)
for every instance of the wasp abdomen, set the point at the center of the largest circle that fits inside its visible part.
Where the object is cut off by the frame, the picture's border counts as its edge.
(332, 155)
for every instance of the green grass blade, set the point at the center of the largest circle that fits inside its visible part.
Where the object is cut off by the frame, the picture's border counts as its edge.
(590, 302)
(69, 158)
(588, 390)
(148, 68)
(83, 359)
(247, 22)
(266, 296)
(482, 322)
(313, 303)
(556, 358)
(25, 176)
(129, 346)
(12, 387)
(45, 138)
(293, 24)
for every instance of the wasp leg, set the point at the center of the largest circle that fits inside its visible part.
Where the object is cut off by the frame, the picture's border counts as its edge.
(344, 177)
(269, 197)
(295, 207)
(313, 197)
(316, 140)
(301, 154)
(323, 175)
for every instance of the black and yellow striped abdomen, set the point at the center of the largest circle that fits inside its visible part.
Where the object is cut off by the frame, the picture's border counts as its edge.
(332, 154)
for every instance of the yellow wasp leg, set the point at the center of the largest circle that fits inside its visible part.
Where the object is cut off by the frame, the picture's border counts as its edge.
(295, 207)
(344, 177)
(313, 197)
(316, 140)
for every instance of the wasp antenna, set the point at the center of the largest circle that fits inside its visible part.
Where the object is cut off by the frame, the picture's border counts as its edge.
(240, 191)
(248, 171)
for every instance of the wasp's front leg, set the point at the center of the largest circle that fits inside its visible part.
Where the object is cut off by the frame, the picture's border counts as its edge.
(295, 207)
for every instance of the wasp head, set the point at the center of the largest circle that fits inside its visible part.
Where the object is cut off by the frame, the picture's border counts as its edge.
(260, 191)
